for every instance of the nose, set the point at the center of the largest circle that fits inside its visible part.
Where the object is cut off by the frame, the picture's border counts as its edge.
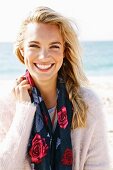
(43, 54)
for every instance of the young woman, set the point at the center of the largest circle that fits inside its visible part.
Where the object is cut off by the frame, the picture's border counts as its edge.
(51, 121)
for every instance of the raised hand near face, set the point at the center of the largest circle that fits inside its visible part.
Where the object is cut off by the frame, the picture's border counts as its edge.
(21, 90)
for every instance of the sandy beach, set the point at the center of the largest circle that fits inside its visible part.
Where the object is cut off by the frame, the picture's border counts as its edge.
(103, 86)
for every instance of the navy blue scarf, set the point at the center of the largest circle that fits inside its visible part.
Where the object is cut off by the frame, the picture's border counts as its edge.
(50, 150)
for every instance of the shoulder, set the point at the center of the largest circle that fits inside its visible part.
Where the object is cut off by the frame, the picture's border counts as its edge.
(7, 103)
(7, 108)
(89, 95)
(93, 102)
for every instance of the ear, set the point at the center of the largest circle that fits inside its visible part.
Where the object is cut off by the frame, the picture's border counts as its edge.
(21, 51)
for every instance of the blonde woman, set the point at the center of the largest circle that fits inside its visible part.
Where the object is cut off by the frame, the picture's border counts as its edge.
(51, 121)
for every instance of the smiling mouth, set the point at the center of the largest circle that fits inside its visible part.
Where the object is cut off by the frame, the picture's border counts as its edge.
(43, 67)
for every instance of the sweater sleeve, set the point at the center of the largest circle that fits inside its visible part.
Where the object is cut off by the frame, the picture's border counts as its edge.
(98, 155)
(14, 144)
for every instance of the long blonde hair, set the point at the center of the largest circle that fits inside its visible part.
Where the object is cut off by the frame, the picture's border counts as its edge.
(72, 69)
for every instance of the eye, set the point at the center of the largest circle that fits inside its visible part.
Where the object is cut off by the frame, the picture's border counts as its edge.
(34, 46)
(55, 46)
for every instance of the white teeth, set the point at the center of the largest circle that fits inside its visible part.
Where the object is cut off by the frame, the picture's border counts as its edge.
(43, 66)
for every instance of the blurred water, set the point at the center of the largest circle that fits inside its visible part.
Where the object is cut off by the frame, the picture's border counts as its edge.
(98, 58)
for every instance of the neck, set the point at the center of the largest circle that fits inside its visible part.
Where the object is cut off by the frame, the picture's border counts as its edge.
(48, 92)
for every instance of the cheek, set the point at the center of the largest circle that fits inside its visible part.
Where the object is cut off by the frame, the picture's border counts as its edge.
(27, 60)
(58, 56)
(59, 61)
(28, 56)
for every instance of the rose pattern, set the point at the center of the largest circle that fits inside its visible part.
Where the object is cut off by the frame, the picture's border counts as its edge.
(67, 157)
(62, 117)
(39, 149)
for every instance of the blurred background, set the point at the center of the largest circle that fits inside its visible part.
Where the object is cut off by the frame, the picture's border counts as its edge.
(95, 32)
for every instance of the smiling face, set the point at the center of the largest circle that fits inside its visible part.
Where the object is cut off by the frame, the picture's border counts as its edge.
(43, 51)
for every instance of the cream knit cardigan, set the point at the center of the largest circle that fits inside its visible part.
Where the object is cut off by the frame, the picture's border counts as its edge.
(89, 144)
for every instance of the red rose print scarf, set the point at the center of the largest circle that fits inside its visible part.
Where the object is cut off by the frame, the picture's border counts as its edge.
(50, 150)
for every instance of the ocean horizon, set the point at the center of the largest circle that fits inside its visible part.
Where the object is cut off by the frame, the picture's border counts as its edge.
(97, 59)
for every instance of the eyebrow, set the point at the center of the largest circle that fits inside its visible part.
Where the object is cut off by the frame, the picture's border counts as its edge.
(52, 43)
(55, 42)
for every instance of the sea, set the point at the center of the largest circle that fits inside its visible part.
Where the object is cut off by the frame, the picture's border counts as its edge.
(97, 57)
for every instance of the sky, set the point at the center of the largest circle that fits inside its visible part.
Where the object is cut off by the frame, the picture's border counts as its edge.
(94, 18)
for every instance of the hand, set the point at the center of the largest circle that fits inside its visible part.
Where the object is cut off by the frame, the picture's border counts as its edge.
(21, 90)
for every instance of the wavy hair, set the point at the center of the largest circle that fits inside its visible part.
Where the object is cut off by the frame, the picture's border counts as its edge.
(72, 68)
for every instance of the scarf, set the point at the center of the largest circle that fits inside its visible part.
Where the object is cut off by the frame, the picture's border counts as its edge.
(48, 149)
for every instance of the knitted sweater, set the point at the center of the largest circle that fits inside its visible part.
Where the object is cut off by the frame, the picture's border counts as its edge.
(90, 151)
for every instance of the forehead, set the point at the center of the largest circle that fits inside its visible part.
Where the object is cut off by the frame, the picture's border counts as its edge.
(40, 32)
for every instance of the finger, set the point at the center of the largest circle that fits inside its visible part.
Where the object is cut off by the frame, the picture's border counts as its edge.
(22, 92)
(23, 82)
(18, 86)
(24, 87)
(19, 80)
(21, 89)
